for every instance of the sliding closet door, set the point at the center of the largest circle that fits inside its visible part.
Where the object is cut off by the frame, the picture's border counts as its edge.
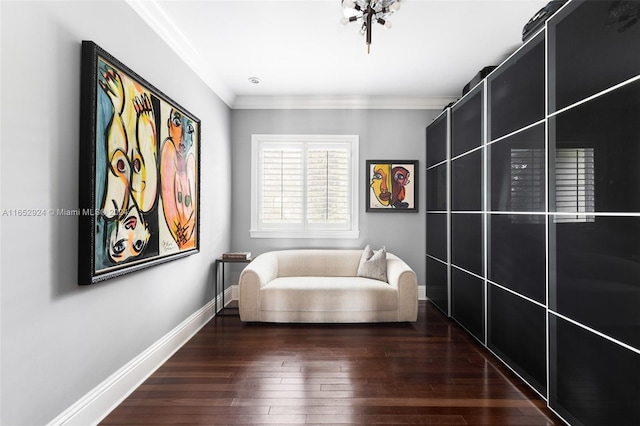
(594, 203)
(467, 212)
(437, 256)
(516, 237)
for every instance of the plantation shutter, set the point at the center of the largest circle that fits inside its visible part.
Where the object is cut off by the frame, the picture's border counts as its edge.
(304, 186)
(282, 185)
(575, 184)
(527, 180)
(328, 185)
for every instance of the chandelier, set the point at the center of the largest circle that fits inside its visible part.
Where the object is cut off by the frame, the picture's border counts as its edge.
(369, 11)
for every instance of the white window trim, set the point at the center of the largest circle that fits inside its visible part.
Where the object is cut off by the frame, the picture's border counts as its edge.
(256, 232)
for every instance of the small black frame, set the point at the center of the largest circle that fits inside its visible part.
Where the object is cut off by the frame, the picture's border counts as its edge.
(391, 186)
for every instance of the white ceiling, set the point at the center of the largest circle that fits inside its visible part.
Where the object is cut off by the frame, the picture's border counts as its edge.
(303, 56)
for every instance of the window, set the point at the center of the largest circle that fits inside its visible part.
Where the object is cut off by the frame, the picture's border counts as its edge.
(527, 180)
(527, 184)
(575, 184)
(304, 186)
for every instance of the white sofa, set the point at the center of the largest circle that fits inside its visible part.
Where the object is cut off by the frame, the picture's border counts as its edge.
(316, 285)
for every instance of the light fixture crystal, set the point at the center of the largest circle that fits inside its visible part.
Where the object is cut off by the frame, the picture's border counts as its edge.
(369, 11)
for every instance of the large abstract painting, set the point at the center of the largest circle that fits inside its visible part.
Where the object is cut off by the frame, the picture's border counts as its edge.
(139, 172)
(392, 186)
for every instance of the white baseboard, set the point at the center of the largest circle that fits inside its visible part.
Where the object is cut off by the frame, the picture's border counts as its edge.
(422, 292)
(100, 401)
(235, 292)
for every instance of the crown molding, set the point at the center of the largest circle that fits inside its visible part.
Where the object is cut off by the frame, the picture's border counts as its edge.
(164, 26)
(342, 102)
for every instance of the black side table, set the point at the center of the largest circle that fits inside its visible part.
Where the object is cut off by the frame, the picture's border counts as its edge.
(218, 278)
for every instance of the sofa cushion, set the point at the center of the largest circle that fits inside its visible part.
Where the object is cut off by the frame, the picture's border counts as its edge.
(317, 262)
(373, 264)
(332, 294)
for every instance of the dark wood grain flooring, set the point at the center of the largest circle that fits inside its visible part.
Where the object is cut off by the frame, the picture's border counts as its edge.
(428, 372)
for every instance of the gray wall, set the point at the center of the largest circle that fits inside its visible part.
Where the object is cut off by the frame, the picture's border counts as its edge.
(59, 340)
(384, 134)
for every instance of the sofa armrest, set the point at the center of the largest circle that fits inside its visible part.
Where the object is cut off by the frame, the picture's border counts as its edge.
(401, 276)
(253, 277)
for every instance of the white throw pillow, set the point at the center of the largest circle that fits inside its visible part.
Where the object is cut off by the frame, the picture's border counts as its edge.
(373, 264)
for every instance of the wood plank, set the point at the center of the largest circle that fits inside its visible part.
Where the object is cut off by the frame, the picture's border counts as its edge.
(428, 372)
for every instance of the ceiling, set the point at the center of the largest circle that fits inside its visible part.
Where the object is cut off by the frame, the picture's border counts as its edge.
(304, 57)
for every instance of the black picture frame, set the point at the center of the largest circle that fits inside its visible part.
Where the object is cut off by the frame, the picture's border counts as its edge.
(391, 186)
(139, 186)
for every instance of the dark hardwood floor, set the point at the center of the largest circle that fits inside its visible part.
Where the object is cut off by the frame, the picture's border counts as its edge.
(428, 372)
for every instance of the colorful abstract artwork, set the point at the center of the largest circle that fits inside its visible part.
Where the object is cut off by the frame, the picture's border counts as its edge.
(139, 172)
(392, 186)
